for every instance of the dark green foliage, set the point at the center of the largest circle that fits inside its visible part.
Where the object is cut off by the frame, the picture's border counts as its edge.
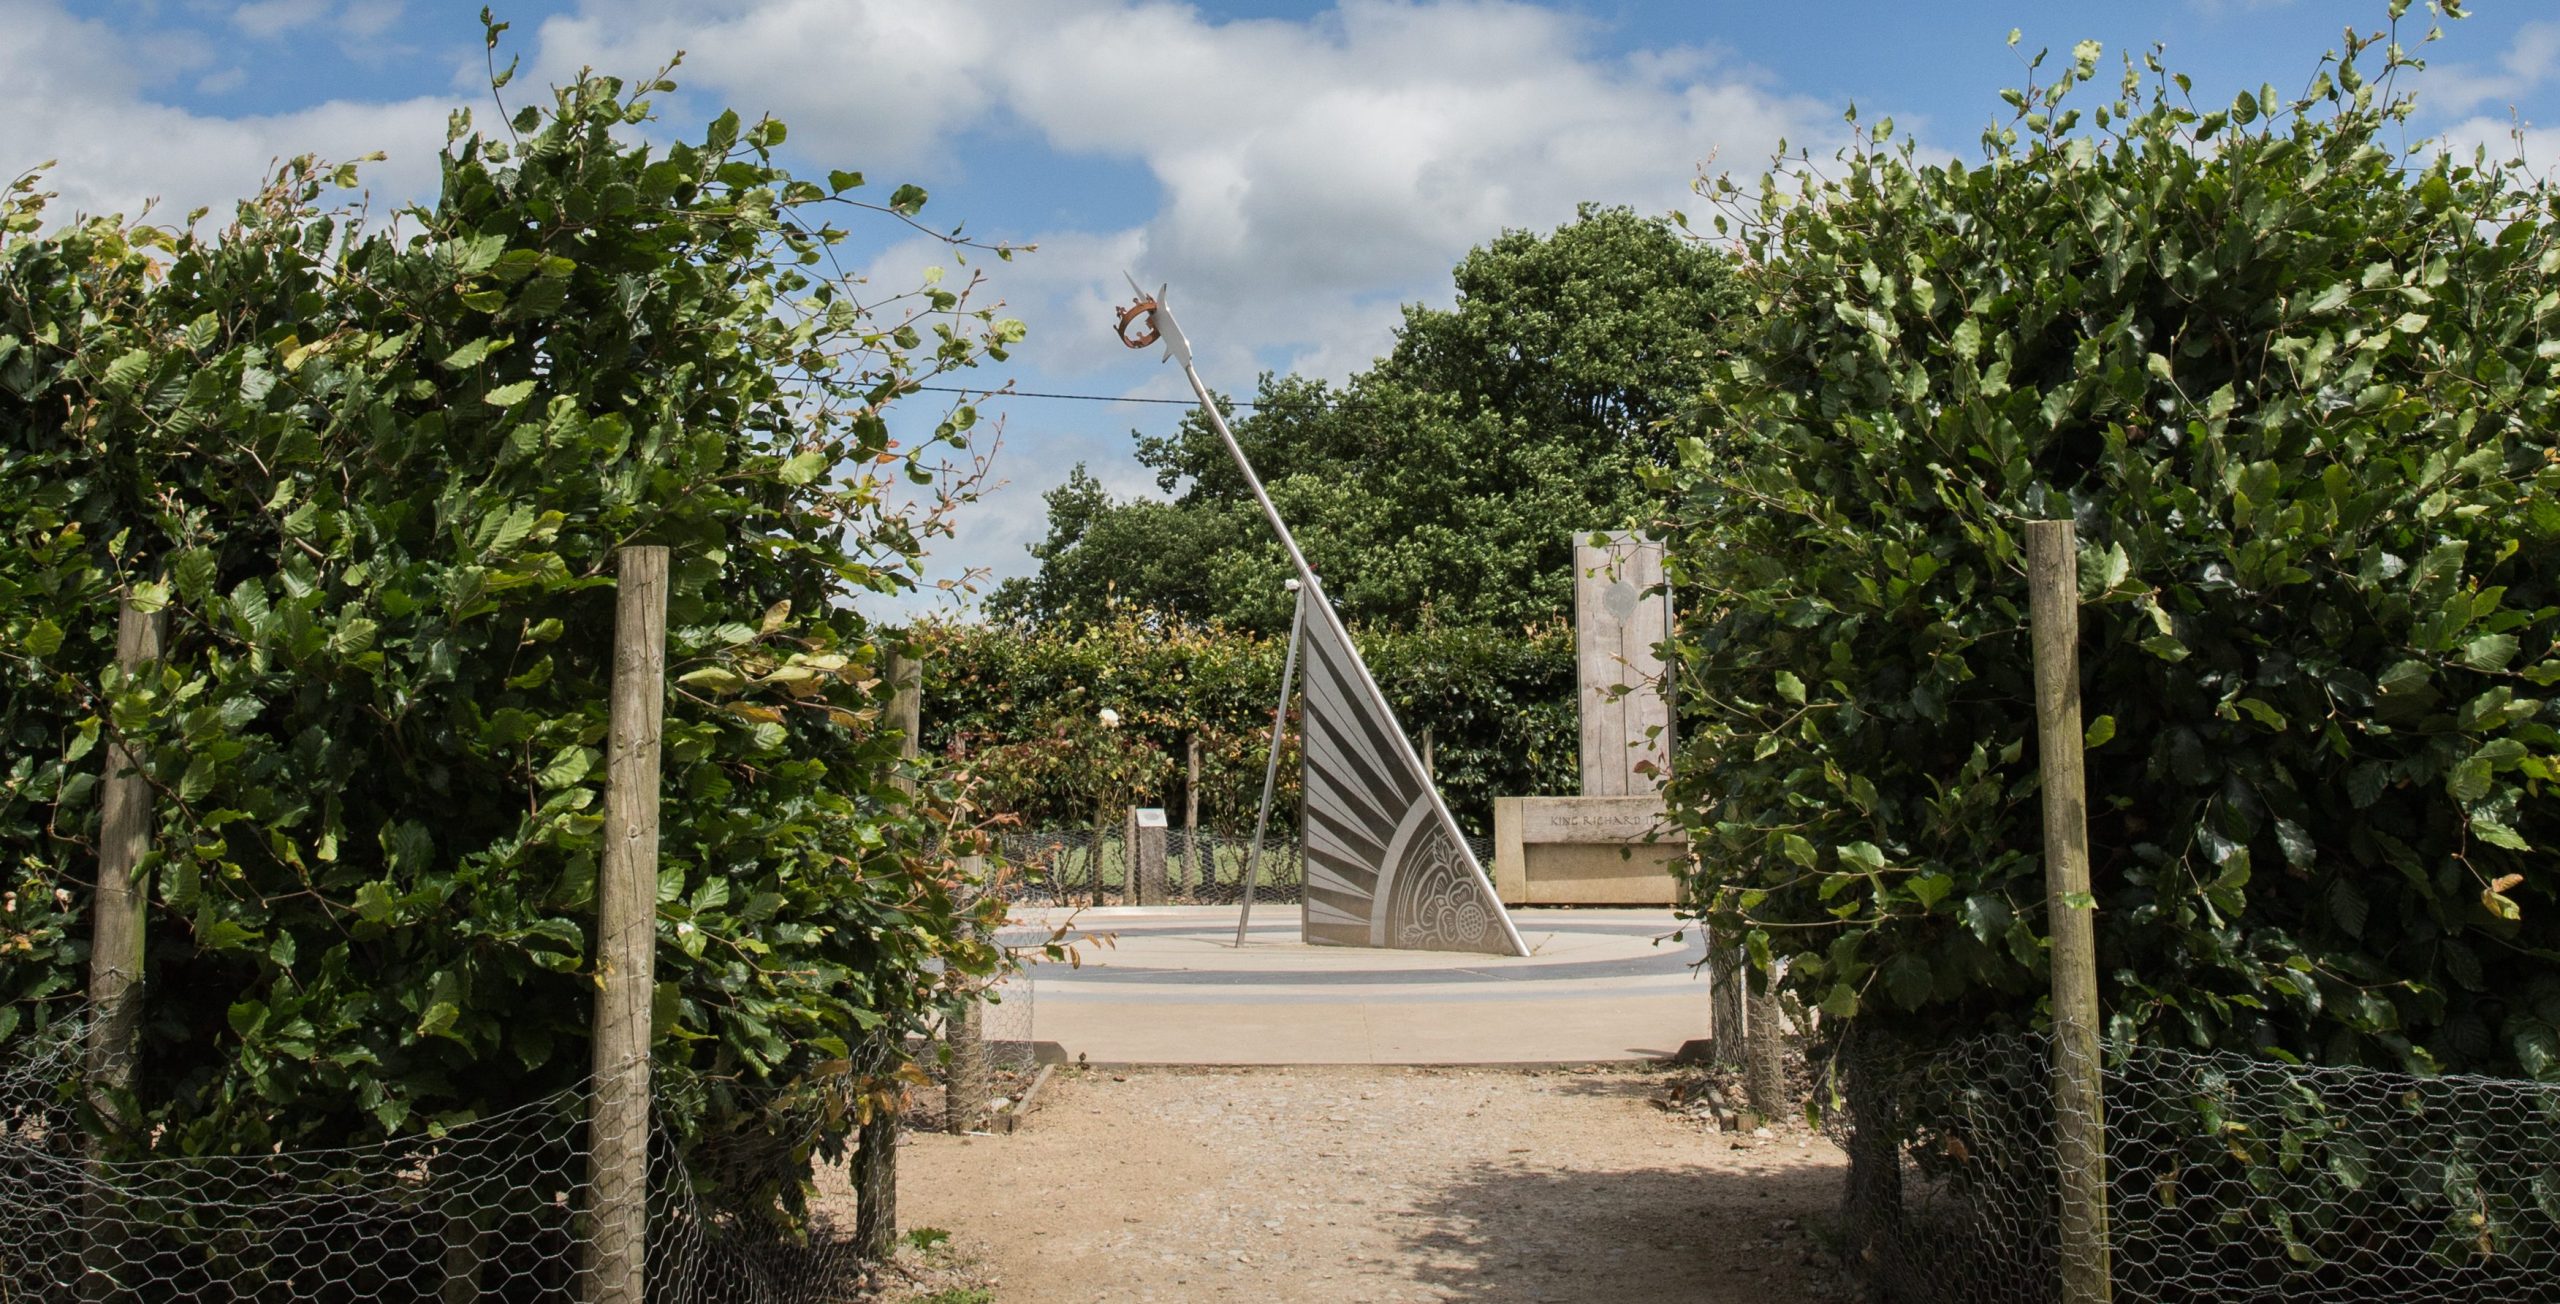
(2297, 391)
(1020, 706)
(1444, 484)
(377, 477)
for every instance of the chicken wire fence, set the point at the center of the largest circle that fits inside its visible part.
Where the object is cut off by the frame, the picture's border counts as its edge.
(496, 1209)
(2227, 1178)
(1077, 866)
(997, 1040)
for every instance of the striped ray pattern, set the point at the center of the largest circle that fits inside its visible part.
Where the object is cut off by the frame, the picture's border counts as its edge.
(1385, 865)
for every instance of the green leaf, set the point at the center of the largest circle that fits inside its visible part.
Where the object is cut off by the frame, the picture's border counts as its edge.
(1790, 687)
(470, 355)
(2497, 834)
(509, 395)
(2490, 651)
(1907, 980)
(1840, 1002)
(2470, 781)
(2100, 732)
(567, 766)
(713, 679)
(125, 372)
(803, 468)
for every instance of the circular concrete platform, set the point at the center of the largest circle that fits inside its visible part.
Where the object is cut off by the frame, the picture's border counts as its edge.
(1168, 985)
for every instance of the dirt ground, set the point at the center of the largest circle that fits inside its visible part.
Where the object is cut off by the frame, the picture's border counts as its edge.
(1376, 1184)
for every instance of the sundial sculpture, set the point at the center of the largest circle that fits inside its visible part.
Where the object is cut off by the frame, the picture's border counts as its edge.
(1386, 865)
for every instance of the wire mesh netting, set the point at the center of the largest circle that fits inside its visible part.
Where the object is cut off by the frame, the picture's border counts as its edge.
(498, 1208)
(983, 1060)
(2227, 1178)
(1076, 866)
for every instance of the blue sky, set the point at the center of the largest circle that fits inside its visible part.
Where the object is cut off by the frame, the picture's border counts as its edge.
(1295, 170)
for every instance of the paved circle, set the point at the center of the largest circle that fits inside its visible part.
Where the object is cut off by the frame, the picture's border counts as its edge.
(1169, 985)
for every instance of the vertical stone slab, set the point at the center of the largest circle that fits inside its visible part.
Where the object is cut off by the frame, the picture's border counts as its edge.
(1145, 840)
(1617, 625)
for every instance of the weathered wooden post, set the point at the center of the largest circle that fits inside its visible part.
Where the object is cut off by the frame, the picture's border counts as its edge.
(1726, 1021)
(627, 936)
(116, 942)
(1764, 1071)
(965, 1082)
(875, 1154)
(1191, 818)
(2079, 1125)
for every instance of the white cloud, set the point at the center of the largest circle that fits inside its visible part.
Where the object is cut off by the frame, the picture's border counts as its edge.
(2504, 139)
(1308, 176)
(77, 95)
(1311, 176)
(2532, 56)
(272, 18)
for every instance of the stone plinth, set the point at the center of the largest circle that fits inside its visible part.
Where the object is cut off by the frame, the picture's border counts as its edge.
(1585, 851)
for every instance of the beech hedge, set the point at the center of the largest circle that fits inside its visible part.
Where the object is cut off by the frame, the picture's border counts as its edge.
(1019, 705)
(2294, 380)
(375, 473)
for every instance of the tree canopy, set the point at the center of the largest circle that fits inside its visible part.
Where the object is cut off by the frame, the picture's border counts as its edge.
(1445, 483)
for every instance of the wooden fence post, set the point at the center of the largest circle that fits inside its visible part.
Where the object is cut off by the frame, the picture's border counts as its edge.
(1726, 1021)
(1191, 819)
(627, 936)
(116, 939)
(964, 1086)
(906, 710)
(2080, 1144)
(875, 1152)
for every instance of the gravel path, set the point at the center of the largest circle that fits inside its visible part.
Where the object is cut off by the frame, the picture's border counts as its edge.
(1374, 1184)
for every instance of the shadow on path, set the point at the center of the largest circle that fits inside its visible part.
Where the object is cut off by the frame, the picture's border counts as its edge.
(1515, 1233)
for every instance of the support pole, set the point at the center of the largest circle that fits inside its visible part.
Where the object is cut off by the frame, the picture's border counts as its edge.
(627, 936)
(124, 837)
(1764, 1070)
(116, 948)
(906, 713)
(1271, 769)
(1726, 1024)
(875, 1154)
(2080, 1147)
(1191, 817)
(965, 1084)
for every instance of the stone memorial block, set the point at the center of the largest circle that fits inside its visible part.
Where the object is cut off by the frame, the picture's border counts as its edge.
(1586, 851)
(1145, 840)
(1619, 614)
